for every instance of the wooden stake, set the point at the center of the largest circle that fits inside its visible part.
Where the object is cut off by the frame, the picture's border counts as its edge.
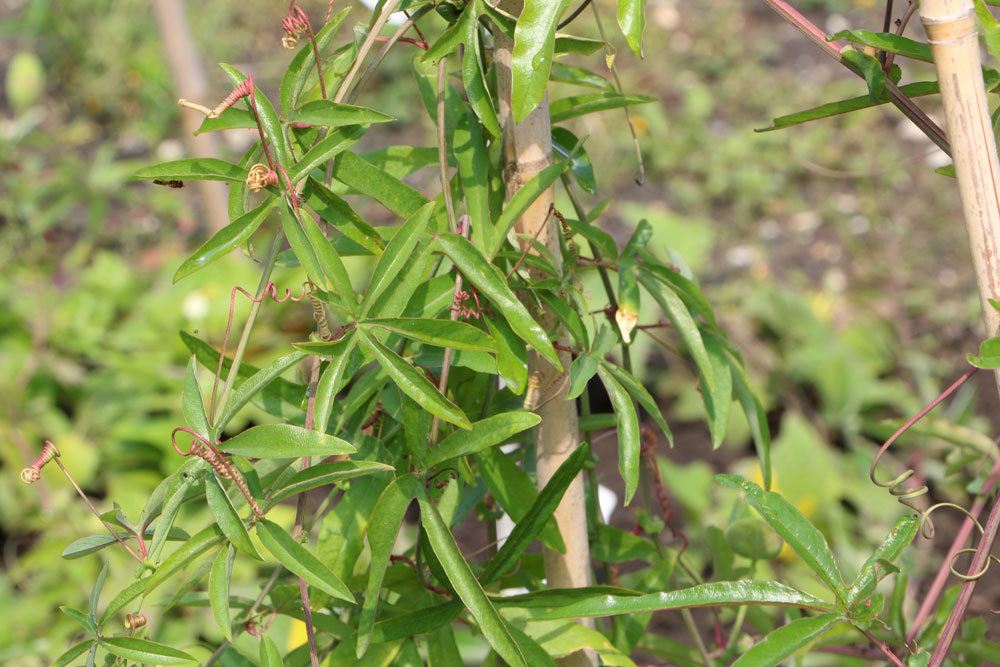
(528, 150)
(951, 29)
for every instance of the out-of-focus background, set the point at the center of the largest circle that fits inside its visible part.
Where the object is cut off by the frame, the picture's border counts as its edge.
(835, 257)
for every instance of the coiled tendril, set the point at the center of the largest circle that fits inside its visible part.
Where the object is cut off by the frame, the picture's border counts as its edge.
(134, 621)
(33, 473)
(908, 496)
(205, 450)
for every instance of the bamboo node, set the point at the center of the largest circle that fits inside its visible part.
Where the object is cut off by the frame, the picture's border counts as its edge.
(950, 29)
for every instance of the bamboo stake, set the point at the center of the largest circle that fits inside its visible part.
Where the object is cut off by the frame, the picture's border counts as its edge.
(527, 151)
(951, 29)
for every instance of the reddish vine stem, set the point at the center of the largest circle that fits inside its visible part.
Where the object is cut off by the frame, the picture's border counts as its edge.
(882, 646)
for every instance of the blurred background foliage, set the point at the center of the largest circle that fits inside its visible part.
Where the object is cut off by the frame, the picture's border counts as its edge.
(833, 254)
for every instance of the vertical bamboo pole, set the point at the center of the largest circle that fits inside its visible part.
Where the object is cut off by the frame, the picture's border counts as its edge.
(951, 29)
(528, 150)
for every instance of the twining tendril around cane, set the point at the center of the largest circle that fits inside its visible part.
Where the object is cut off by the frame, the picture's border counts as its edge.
(205, 450)
(134, 621)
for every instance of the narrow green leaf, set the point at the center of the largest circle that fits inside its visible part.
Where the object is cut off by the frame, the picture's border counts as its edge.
(874, 569)
(536, 518)
(786, 640)
(531, 60)
(990, 26)
(520, 202)
(304, 63)
(283, 441)
(578, 76)
(684, 324)
(230, 119)
(567, 315)
(628, 432)
(756, 418)
(492, 283)
(397, 255)
(715, 594)
(888, 42)
(226, 240)
(194, 407)
(794, 528)
(218, 589)
(414, 383)
(145, 651)
(489, 432)
(298, 560)
(641, 396)
(333, 114)
(357, 172)
(632, 20)
(325, 474)
(339, 213)
(335, 143)
(197, 545)
(226, 517)
(473, 77)
(270, 656)
(440, 333)
(492, 625)
(95, 592)
(989, 354)
(299, 243)
(193, 169)
(869, 67)
(80, 617)
(72, 653)
(515, 492)
(390, 510)
(916, 89)
(582, 105)
(449, 40)
(342, 366)
(567, 146)
(255, 383)
(273, 130)
(719, 397)
(329, 261)
(512, 356)
(474, 171)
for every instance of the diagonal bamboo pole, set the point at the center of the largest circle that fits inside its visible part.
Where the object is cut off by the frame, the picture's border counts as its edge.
(951, 29)
(528, 150)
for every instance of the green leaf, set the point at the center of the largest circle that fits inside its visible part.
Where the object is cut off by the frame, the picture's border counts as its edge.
(537, 516)
(414, 383)
(218, 589)
(916, 89)
(255, 383)
(989, 354)
(186, 554)
(89, 544)
(325, 474)
(473, 171)
(95, 593)
(227, 239)
(193, 169)
(300, 245)
(581, 105)
(990, 26)
(81, 618)
(641, 396)
(329, 261)
(489, 432)
(333, 114)
(512, 356)
(567, 315)
(397, 255)
(339, 213)
(449, 40)
(492, 283)
(578, 76)
(225, 515)
(273, 130)
(888, 42)
(343, 365)
(355, 171)
(794, 528)
(869, 67)
(628, 432)
(531, 60)
(270, 656)
(304, 62)
(515, 492)
(440, 333)
(718, 399)
(631, 19)
(335, 143)
(298, 560)
(230, 119)
(390, 510)
(522, 199)
(563, 144)
(284, 441)
(786, 640)
(194, 407)
(476, 89)
(71, 654)
(145, 651)
(715, 594)
(756, 418)
(460, 575)
(874, 569)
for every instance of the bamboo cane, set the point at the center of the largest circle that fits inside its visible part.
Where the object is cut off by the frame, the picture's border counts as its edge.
(951, 29)
(527, 150)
